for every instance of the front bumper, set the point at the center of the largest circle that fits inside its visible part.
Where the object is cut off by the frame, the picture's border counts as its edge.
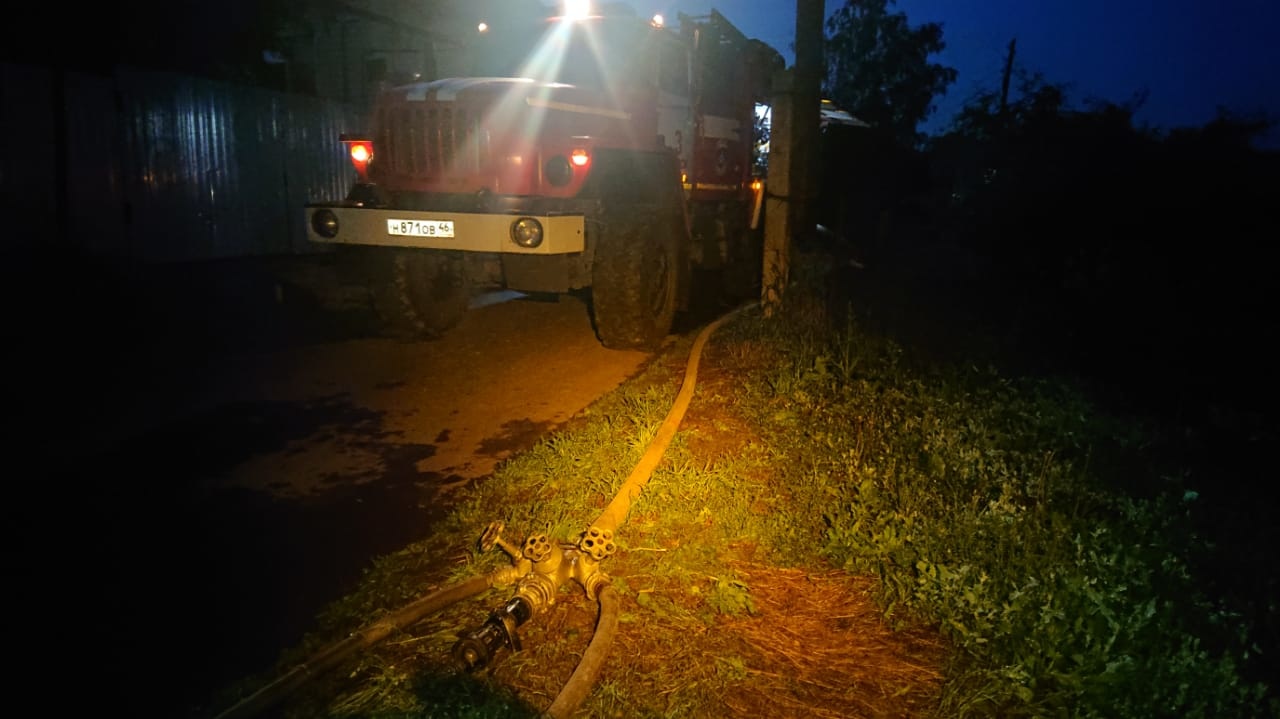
(472, 231)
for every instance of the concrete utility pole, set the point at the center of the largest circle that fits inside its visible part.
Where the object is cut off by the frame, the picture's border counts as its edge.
(807, 113)
(777, 203)
(793, 142)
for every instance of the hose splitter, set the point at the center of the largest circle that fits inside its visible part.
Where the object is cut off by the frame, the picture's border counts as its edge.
(538, 570)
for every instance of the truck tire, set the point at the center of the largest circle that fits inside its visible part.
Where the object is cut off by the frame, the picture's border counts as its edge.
(635, 277)
(421, 293)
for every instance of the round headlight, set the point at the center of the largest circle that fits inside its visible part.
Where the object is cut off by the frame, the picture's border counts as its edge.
(325, 223)
(526, 232)
(558, 171)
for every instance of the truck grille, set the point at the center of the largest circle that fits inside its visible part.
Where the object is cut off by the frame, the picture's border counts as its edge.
(430, 140)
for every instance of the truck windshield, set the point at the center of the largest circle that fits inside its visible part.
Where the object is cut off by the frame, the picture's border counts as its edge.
(596, 53)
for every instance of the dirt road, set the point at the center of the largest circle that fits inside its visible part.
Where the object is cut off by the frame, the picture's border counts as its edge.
(192, 511)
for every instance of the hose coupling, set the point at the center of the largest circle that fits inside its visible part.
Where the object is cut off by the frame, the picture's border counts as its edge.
(594, 582)
(594, 545)
(478, 647)
(539, 590)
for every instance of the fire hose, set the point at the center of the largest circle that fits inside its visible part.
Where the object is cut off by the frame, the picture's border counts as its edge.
(538, 570)
(592, 662)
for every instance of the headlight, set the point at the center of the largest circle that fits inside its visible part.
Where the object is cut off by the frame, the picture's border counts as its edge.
(325, 223)
(558, 171)
(526, 232)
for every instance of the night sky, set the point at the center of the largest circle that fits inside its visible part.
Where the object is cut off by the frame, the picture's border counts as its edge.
(1190, 56)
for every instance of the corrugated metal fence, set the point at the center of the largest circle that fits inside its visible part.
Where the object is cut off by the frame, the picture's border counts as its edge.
(156, 167)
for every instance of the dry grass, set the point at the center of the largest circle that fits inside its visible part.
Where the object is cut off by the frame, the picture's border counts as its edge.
(814, 645)
(817, 647)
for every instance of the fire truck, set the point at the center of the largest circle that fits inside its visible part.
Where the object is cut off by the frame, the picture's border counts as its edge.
(587, 149)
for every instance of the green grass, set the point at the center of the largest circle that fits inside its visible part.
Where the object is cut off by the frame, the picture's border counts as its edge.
(979, 503)
(987, 508)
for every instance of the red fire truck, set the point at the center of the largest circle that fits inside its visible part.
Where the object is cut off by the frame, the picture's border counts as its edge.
(596, 150)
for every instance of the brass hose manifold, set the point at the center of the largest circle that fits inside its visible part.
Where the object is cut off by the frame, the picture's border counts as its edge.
(538, 570)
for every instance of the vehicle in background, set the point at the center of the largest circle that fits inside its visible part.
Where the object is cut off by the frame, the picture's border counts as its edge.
(588, 150)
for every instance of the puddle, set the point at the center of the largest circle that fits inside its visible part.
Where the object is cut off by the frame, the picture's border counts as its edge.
(197, 582)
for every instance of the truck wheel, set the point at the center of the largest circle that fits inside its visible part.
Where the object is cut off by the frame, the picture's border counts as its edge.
(422, 294)
(634, 279)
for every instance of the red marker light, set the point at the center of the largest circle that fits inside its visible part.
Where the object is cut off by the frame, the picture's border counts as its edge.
(579, 158)
(361, 154)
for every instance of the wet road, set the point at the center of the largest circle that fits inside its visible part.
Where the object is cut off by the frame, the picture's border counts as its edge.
(190, 511)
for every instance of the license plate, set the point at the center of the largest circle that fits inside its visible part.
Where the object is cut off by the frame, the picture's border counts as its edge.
(420, 228)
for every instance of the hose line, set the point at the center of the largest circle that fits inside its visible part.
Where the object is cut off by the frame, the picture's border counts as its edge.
(329, 657)
(584, 677)
(589, 667)
(616, 513)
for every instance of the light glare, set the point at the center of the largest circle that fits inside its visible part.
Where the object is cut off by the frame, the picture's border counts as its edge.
(576, 9)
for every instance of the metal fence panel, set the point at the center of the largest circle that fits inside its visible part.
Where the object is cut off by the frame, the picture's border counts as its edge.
(160, 167)
(28, 157)
(97, 210)
(315, 163)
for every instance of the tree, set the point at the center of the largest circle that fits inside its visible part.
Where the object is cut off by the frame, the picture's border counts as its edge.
(878, 67)
(989, 115)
